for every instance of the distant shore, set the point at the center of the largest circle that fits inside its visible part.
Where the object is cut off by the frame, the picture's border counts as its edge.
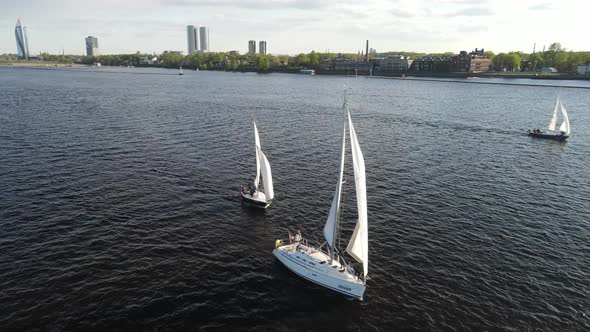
(26, 64)
(376, 74)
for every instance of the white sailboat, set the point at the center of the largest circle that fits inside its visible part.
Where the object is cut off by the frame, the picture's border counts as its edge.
(180, 71)
(251, 193)
(328, 268)
(564, 129)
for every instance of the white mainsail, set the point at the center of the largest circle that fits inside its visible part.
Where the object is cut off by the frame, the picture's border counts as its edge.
(553, 122)
(358, 247)
(331, 224)
(257, 142)
(565, 125)
(266, 176)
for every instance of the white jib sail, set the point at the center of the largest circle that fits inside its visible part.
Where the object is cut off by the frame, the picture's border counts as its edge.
(565, 126)
(266, 176)
(257, 142)
(553, 122)
(330, 227)
(358, 247)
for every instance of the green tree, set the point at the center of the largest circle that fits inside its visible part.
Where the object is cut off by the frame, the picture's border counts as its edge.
(513, 61)
(536, 61)
(302, 60)
(314, 59)
(263, 64)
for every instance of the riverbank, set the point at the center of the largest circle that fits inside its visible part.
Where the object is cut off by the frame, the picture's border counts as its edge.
(466, 75)
(376, 74)
(35, 64)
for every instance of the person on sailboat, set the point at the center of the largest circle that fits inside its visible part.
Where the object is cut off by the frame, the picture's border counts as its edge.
(298, 238)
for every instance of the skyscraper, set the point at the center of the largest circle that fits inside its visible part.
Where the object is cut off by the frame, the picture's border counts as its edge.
(204, 34)
(22, 44)
(91, 46)
(262, 47)
(192, 39)
(252, 46)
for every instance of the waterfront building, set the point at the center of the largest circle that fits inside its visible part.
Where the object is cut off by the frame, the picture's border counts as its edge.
(252, 46)
(22, 42)
(174, 52)
(432, 64)
(262, 47)
(584, 69)
(204, 39)
(192, 39)
(394, 64)
(462, 62)
(92, 46)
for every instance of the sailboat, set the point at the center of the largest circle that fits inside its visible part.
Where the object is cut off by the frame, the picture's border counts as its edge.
(251, 192)
(180, 71)
(325, 264)
(564, 129)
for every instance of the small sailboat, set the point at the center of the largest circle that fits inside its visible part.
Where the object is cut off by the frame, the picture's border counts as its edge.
(180, 71)
(564, 129)
(325, 264)
(251, 192)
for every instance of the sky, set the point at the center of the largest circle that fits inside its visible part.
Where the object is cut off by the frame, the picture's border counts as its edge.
(295, 26)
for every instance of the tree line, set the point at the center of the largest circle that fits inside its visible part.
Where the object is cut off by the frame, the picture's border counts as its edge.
(556, 56)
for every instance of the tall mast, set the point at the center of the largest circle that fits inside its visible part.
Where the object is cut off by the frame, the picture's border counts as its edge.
(340, 179)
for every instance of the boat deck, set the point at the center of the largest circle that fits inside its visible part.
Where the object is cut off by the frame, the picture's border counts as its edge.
(320, 261)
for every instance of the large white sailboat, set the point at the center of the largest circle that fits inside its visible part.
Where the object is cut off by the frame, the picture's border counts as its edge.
(328, 268)
(564, 129)
(251, 192)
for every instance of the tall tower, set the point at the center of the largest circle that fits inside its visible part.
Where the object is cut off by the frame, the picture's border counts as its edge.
(262, 47)
(22, 45)
(252, 46)
(192, 39)
(204, 34)
(91, 46)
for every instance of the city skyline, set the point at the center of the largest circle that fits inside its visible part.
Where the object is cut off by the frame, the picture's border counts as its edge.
(339, 26)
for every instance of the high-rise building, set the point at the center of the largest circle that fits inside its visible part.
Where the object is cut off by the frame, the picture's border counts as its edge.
(192, 39)
(204, 39)
(262, 47)
(252, 46)
(92, 46)
(22, 43)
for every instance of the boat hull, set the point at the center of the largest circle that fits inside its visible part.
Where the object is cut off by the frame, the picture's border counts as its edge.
(313, 270)
(549, 136)
(250, 200)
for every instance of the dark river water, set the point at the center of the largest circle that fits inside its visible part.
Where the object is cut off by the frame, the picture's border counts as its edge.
(120, 206)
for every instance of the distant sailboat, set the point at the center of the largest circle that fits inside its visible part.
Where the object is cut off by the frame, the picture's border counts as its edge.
(251, 193)
(564, 129)
(180, 71)
(328, 268)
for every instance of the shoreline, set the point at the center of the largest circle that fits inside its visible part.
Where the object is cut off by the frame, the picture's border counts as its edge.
(451, 77)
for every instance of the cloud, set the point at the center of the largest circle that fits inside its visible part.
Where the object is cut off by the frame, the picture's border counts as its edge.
(254, 4)
(541, 6)
(471, 11)
(472, 28)
(400, 13)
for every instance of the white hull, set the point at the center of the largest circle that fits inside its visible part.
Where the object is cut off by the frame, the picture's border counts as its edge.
(314, 265)
(258, 199)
